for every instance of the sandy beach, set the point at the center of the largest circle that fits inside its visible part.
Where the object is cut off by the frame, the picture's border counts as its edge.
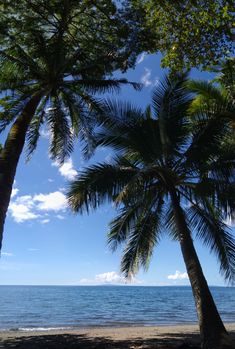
(158, 337)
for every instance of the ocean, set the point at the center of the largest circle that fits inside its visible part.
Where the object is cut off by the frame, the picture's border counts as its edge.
(30, 308)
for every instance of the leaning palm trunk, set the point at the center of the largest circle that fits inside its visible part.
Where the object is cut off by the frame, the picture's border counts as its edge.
(10, 154)
(212, 330)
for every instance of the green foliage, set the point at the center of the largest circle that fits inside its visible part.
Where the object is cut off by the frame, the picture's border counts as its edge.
(226, 76)
(65, 50)
(156, 152)
(188, 33)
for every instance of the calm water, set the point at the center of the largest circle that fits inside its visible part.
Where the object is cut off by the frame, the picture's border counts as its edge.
(44, 307)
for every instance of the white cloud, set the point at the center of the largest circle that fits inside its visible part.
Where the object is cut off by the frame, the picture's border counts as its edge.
(55, 201)
(7, 254)
(14, 192)
(141, 58)
(147, 79)
(45, 221)
(33, 249)
(66, 170)
(21, 209)
(28, 207)
(178, 276)
(63, 190)
(25, 200)
(45, 133)
(110, 277)
(59, 216)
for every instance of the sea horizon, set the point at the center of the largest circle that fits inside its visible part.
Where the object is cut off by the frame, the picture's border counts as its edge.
(109, 285)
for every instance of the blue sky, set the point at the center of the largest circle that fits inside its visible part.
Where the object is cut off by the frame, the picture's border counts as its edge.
(45, 244)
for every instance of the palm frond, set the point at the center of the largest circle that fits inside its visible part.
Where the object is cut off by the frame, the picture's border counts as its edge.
(82, 117)
(226, 75)
(12, 76)
(208, 135)
(212, 106)
(103, 86)
(213, 232)
(62, 138)
(206, 90)
(119, 113)
(142, 238)
(222, 166)
(18, 58)
(124, 128)
(99, 183)
(34, 128)
(12, 106)
(171, 225)
(171, 100)
(123, 223)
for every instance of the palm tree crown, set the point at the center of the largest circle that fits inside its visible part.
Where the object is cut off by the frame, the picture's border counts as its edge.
(60, 53)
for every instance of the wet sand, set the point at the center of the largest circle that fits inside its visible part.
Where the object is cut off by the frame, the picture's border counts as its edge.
(157, 337)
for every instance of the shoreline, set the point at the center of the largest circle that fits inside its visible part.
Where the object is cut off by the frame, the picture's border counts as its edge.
(136, 337)
(117, 325)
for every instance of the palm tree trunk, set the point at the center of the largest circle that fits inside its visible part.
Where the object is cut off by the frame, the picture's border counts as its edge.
(10, 154)
(212, 330)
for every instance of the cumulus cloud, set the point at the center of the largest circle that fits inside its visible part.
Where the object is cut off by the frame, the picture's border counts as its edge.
(67, 170)
(31, 207)
(141, 58)
(22, 209)
(147, 79)
(14, 192)
(110, 277)
(55, 201)
(178, 276)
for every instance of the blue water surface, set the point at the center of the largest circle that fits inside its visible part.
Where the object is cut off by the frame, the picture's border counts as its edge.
(46, 307)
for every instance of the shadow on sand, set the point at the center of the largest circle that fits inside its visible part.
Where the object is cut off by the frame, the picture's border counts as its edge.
(72, 341)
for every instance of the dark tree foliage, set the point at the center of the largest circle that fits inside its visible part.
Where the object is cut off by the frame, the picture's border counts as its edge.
(189, 33)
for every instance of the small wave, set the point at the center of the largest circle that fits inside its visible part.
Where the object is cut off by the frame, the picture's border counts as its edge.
(37, 329)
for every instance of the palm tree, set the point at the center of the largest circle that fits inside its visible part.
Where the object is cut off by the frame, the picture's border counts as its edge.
(53, 59)
(166, 177)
